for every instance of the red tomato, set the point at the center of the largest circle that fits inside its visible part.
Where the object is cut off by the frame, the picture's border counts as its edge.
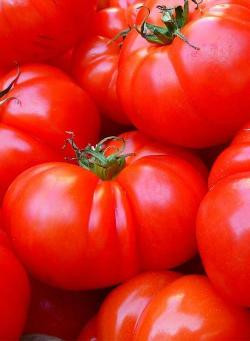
(95, 61)
(164, 306)
(119, 314)
(32, 31)
(182, 95)
(60, 313)
(190, 309)
(32, 126)
(234, 159)
(222, 225)
(14, 294)
(101, 232)
(223, 235)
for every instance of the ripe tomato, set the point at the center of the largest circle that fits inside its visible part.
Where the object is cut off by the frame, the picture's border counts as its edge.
(234, 159)
(32, 31)
(14, 294)
(58, 312)
(182, 94)
(121, 310)
(100, 232)
(95, 61)
(190, 309)
(164, 306)
(45, 104)
(223, 236)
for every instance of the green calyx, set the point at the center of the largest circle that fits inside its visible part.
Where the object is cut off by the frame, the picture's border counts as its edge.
(96, 159)
(174, 19)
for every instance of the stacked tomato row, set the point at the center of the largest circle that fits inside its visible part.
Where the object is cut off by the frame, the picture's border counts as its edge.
(145, 235)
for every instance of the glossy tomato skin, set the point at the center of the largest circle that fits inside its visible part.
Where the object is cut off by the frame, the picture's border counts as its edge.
(58, 312)
(223, 236)
(234, 159)
(190, 309)
(14, 294)
(166, 91)
(33, 31)
(95, 61)
(121, 310)
(33, 125)
(132, 223)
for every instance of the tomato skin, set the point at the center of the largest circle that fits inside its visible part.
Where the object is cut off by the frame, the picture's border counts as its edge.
(234, 159)
(175, 104)
(32, 130)
(60, 313)
(33, 31)
(121, 310)
(223, 229)
(14, 294)
(95, 61)
(189, 308)
(132, 223)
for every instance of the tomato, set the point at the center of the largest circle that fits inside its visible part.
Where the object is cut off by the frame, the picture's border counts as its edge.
(32, 31)
(95, 61)
(222, 224)
(188, 95)
(121, 310)
(45, 103)
(190, 309)
(105, 228)
(60, 313)
(14, 294)
(223, 236)
(234, 159)
(164, 306)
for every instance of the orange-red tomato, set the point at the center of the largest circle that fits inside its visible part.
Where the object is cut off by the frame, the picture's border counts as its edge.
(121, 311)
(182, 95)
(33, 31)
(222, 224)
(234, 159)
(45, 104)
(101, 232)
(162, 306)
(190, 309)
(14, 294)
(95, 61)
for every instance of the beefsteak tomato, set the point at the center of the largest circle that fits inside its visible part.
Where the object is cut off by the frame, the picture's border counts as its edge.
(186, 80)
(233, 159)
(167, 307)
(43, 104)
(34, 30)
(223, 230)
(105, 228)
(95, 61)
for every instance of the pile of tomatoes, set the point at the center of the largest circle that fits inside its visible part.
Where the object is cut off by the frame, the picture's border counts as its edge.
(125, 170)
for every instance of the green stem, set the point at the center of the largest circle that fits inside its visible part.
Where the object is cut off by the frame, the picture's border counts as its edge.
(95, 158)
(174, 19)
